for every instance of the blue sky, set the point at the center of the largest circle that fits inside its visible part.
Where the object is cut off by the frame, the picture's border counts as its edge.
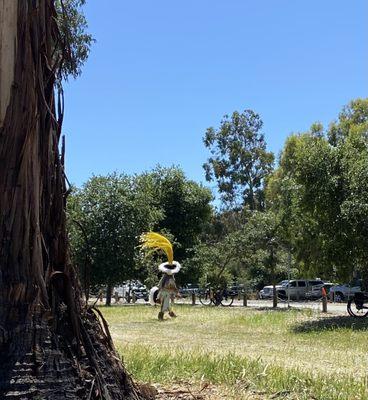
(163, 71)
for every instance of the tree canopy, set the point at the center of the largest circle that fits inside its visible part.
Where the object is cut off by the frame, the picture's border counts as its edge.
(75, 41)
(320, 188)
(239, 159)
(107, 216)
(314, 208)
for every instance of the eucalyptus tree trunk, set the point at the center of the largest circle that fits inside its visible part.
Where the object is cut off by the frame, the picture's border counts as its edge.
(51, 346)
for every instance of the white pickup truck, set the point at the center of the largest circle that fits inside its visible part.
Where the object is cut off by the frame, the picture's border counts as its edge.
(340, 293)
(297, 288)
(267, 291)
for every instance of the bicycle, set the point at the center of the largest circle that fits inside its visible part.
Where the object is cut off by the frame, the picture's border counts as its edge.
(358, 305)
(216, 297)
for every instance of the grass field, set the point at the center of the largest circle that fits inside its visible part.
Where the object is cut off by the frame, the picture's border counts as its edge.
(280, 354)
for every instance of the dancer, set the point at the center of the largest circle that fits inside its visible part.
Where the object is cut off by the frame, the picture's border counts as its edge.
(167, 289)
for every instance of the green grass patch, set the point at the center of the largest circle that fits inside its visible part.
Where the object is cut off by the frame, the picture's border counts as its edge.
(155, 365)
(291, 352)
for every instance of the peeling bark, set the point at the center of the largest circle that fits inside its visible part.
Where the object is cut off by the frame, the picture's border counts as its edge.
(51, 346)
(8, 36)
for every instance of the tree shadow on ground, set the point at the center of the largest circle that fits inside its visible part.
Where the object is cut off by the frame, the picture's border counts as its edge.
(331, 324)
(279, 309)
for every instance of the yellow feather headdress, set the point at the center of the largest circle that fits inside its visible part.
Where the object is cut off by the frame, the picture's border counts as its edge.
(155, 241)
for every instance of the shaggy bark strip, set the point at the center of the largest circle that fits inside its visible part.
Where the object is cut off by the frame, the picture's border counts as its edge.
(51, 346)
(8, 36)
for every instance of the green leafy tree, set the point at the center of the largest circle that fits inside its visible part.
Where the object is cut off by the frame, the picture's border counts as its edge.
(110, 213)
(74, 38)
(252, 253)
(216, 261)
(320, 189)
(239, 160)
(261, 250)
(185, 207)
(353, 116)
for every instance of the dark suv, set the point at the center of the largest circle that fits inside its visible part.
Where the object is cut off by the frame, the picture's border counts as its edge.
(137, 293)
(141, 293)
(235, 289)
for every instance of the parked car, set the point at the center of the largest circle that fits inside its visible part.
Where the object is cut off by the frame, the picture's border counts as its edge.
(267, 291)
(188, 289)
(340, 293)
(140, 293)
(234, 289)
(296, 289)
(315, 291)
(130, 288)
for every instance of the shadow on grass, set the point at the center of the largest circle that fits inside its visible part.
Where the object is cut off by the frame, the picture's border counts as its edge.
(279, 309)
(332, 324)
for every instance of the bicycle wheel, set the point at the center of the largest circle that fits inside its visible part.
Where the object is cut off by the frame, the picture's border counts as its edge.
(205, 298)
(357, 311)
(226, 300)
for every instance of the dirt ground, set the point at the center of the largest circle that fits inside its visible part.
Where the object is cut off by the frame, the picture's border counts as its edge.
(188, 391)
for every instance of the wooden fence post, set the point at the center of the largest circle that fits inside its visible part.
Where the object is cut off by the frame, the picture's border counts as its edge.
(274, 297)
(193, 299)
(324, 300)
(116, 296)
(245, 300)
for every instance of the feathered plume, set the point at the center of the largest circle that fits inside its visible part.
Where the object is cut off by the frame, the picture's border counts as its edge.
(155, 241)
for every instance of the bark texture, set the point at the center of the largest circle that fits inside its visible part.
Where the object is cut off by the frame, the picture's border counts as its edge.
(8, 35)
(51, 345)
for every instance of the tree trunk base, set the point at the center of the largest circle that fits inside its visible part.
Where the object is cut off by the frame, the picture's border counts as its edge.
(38, 363)
(51, 346)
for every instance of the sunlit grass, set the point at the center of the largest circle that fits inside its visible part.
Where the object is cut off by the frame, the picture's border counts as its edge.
(295, 352)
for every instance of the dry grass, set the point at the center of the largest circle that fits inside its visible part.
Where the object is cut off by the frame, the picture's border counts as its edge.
(246, 349)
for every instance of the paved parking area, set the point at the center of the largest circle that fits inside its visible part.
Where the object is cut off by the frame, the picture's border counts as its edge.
(332, 308)
(335, 308)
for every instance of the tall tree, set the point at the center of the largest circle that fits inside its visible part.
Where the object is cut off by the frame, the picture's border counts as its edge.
(51, 346)
(107, 216)
(185, 207)
(240, 161)
(320, 189)
(253, 252)
(110, 212)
